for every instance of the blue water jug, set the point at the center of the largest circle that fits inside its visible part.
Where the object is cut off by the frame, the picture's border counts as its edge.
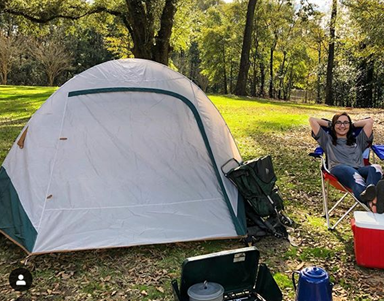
(314, 285)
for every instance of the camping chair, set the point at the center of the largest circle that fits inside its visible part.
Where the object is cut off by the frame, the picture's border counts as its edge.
(327, 179)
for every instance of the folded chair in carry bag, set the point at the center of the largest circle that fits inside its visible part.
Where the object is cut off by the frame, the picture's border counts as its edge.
(327, 180)
(256, 182)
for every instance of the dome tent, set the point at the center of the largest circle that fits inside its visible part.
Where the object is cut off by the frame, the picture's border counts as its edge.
(126, 153)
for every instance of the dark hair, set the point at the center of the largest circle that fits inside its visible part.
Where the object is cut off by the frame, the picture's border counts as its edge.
(350, 138)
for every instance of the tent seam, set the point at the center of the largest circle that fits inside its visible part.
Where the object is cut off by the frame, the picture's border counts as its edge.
(53, 164)
(136, 206)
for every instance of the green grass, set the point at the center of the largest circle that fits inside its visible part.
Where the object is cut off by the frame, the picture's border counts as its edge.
(17, 104)
(260, 127)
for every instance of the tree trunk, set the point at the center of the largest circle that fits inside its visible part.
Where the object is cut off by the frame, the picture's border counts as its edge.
(287, 95)
(241, 84)
(225, 82)
(224, 72)
(369, 83)
(4, 72)
(254, 66)
(254, 77)
(271, 73)
(194, 62)
(331, 56)
(306, 98)
(364, 84)
(4, 78)
(281, 75)
(139, 21)
(318, 98)
(51, 78)
(162, 47)
(231, 79)
(262, 79)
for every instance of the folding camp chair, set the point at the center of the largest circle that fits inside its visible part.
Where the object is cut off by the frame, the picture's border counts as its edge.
(327, 179)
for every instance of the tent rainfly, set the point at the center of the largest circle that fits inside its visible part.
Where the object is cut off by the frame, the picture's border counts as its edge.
(126, 153)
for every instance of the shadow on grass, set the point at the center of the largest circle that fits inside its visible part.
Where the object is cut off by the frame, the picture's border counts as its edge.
(12, 87)
(266, 127)
(18, 122)
(26, 96)
(302, 107)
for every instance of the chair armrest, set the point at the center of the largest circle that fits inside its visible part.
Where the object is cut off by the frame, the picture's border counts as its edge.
(317, 153)
(378, 150)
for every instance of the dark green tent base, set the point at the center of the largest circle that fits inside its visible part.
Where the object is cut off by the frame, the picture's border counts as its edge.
(14, 222)
(16, 243)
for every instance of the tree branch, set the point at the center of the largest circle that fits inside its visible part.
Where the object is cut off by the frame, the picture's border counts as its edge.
(46, 19)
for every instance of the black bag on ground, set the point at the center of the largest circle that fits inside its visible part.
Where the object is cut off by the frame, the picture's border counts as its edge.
(256, 182)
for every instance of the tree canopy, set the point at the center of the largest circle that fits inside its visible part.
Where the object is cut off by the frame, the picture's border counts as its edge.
(293, 48)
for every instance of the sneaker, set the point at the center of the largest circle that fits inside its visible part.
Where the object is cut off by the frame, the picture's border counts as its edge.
(369, 194)
(380, 197)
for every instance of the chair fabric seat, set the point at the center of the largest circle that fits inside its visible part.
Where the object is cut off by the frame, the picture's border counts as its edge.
(334, 182)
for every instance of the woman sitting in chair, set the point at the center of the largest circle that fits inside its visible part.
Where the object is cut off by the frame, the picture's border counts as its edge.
(345, 157)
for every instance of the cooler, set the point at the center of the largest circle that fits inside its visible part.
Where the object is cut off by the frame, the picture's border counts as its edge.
(368, 231)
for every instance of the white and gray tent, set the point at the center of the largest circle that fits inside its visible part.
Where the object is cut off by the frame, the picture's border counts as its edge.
(126, 153)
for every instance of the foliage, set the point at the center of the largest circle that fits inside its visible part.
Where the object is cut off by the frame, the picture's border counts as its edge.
(149, 22)
(260, 127)
(362, 52)
(220, 45)
(52, 55)
(368, 15)
(185, 25)
(8, 49)
(290, 43)
(90, 45)
(213, 50)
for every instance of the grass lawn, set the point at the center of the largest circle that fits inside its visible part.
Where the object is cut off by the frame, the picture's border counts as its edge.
(260, 127)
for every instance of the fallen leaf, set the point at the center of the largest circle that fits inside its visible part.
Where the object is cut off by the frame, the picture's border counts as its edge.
(144, 293)
(300, 266)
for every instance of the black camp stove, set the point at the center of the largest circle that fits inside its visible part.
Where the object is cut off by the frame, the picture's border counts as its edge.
(235, 270)
(243, 296)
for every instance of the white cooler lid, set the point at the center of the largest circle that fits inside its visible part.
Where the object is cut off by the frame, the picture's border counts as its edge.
(369, 220)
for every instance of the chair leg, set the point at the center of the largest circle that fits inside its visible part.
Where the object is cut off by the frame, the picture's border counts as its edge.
(365, 207)
(325, 199)
(357, 202)
(345, 214)
(338, 202)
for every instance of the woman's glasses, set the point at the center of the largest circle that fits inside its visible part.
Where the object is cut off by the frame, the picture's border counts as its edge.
(345, 123)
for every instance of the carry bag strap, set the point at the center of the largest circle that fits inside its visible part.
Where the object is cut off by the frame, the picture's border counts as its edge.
(230, 160)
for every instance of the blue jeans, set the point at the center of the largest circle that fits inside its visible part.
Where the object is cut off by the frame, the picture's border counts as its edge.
(357, 179)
